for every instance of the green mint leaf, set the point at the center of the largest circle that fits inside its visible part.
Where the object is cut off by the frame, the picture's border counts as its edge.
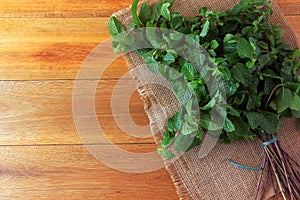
(253, 43)
(293, 86)
(264, 60)
(152, 36)
(165, 12)
(209, 105)
(202, 11)
(212, 53)
(114, 26)
(136, 20)
(193, 85)
(152, 64)
(190, 117)
(241, 130)
(240, 97)
(250, 64)
(284, 99)
(296, 54)
(277, 32)
(205, 28)
(156, 12)
(254, 119)
(232, 111)
(169, 58)
(269, 84)
(296, 113)
(189, 71)
(272, 40)
(208, 123)
(228, 125)
(262, 45)
(229, 27)
(271, 74)
(187, 129)
(163, 70)
(253, 102)
(231, 87)
(287, 68)
(225, 73)
(295, 104)
(145, 13)
(175, 122)
(167, 139)
(241, 73)
(176, 36)
(229, 38)
(270, 123)
(242, 6)
(174, 74)
(214, 44)
(176, 22)
(244, 48)
(182, 92)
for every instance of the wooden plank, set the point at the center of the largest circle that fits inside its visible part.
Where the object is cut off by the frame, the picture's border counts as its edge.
(61, 8)
(289, 7)
(51, 61)
(294, 22)
(91, 8)
(59, 30)
(34, 49)
(71, 172)
(40, 112)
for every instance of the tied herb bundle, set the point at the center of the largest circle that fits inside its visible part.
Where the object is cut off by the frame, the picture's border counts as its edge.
(259, 73)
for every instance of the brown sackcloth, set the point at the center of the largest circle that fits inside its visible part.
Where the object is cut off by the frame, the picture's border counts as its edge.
(212, 177)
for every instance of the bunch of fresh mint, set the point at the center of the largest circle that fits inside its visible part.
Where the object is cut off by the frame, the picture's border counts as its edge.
(257, 72)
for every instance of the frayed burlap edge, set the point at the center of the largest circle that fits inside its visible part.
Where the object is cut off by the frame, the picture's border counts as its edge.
(155, 111)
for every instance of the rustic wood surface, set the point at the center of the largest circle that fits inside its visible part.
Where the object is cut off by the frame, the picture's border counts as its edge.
(43, 44)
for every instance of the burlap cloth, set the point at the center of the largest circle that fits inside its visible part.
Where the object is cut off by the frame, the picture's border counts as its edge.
(212, 177)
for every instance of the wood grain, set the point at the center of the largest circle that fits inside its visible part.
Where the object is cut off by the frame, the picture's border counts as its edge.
(61, 8)
(40, 112)
(289, 7)
(87, 9)
(71, 172)
(35, 49)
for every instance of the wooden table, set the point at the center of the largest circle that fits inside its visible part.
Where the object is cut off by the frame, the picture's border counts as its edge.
(43, 44)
